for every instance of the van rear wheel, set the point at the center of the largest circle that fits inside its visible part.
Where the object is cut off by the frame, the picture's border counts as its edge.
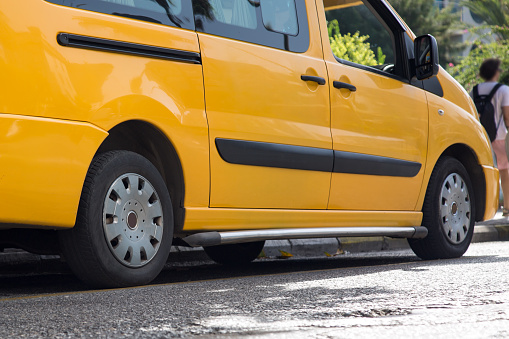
(235, 254)
(448, 213)
(124, 226)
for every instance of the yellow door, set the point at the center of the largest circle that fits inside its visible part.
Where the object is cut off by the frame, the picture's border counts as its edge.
(379, 119)
(270, 142)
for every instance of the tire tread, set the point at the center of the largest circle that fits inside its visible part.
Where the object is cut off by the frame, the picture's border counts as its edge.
(435, 245)
(79, 244)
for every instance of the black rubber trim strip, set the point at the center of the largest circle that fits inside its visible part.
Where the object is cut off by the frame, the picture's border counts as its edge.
(266, 154)
(114, 46)
(357, 163)
(392, 17)
(275, 155)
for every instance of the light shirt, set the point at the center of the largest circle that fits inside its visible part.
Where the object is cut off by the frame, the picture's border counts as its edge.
(500, 99)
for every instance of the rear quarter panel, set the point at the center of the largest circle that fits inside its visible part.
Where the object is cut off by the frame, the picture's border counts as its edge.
(40, 78)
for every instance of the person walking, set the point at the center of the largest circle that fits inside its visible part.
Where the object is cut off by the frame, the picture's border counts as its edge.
(490, 72)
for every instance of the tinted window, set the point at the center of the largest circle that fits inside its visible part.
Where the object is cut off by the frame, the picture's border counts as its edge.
(235, 13)
(358, 36)
(274, 23)
(280, 16)
(176, 13)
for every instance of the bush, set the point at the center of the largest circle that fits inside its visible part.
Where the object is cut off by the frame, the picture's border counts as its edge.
(424, 17)
(467, 71)
(354, 47)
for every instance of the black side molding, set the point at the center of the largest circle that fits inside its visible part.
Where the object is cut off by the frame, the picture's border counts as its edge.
(275, 155)
(114, 46)
(265, 154)
(357, 163)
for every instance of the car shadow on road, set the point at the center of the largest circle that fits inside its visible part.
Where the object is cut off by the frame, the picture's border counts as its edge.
(54, 276)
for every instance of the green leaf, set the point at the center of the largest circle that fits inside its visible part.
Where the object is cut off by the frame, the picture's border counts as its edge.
(354, 48)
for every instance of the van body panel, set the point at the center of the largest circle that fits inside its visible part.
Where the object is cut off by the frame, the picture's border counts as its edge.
(57, 104)
(43, 164)
(365, 122)
(492, 177)
(106, 88)
(185, 129)
(454, 92)
(255, 93)
(455, 126)
(368, 122)
(219, 219)
(71, 83)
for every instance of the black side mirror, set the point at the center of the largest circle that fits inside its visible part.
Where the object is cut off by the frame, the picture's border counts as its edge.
(426, 57)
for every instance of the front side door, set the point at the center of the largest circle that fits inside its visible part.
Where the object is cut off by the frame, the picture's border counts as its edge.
(269, 127)
(379, 119)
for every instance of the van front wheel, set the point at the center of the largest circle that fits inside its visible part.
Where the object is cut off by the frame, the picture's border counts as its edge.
(124, 226)
(448, 213)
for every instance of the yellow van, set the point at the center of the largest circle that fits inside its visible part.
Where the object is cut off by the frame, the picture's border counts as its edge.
(129, 125)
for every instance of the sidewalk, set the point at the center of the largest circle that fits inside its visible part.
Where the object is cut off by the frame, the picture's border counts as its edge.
(496, 229)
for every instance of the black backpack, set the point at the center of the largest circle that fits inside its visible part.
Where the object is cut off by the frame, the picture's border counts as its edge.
(487, 111)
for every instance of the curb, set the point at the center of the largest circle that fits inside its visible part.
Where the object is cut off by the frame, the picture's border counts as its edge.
(493, 230)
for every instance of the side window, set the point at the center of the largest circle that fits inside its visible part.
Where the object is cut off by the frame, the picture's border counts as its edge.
(357, 35)
(236, 13)
(177, 13)
(280, 16)
(275, 23)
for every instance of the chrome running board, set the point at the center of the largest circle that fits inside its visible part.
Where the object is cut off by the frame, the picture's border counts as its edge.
(235, 237)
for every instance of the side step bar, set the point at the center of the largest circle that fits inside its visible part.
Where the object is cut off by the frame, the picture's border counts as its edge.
(235, 237)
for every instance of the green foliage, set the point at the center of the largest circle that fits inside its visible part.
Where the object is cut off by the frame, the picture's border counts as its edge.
(467, 71)
(493, 12)
(492, 41)
(380, 56)
(424, 17)
(360, 18)
(354, 47)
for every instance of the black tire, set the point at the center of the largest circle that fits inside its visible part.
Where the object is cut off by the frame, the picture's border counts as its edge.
(86, 248)
(442, 244)
(235, 254)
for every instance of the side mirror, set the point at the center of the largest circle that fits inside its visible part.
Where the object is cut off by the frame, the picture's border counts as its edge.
(426, 57)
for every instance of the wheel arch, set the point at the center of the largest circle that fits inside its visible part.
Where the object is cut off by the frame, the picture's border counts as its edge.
(468, 158)
(149, 141)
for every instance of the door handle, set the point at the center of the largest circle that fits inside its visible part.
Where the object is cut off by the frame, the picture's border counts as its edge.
(340, 85)
(318, 80)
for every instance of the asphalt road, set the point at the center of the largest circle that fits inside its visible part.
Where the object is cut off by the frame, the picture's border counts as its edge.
(383, 295)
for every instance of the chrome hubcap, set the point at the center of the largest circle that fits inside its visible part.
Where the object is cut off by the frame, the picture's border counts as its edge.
(133, 220)
(455, 208)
